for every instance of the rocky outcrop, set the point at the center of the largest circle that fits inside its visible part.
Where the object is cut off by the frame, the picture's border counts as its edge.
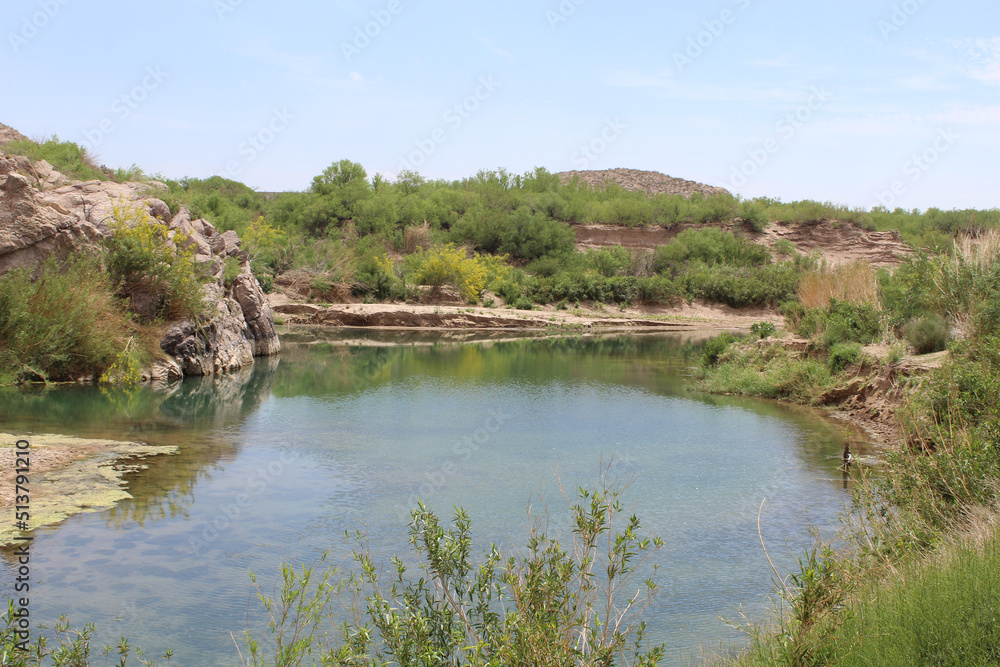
(240, 328)
(32, 229)
(8, 134)
(43, 215)
(650, 182)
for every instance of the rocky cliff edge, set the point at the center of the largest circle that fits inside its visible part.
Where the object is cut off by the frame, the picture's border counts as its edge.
(45, 214)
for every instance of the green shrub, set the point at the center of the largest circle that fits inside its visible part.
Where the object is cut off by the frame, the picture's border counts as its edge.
(842, 355)
(376, 276)
(230, 271)
(520, 233)
(928, 334)
(143, 262)
(658, 290)
(62, 325)
(611, 261)
(762, 330)
(709, 246)
(716, 347)
(841, 322)
(523, 303)
(767, 371)
(740, 287)
(548, 604)
(755, 214)
(448, 264)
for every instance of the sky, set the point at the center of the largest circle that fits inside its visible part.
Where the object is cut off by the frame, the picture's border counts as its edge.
(856, 102)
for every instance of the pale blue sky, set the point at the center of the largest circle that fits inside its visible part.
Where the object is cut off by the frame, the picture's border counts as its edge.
(787, 98)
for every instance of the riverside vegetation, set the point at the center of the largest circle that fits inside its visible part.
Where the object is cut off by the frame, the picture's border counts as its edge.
(916, 582)
(922, 528)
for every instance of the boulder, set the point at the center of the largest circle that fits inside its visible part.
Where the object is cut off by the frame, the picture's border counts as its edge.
(31, 230)
(159, 210)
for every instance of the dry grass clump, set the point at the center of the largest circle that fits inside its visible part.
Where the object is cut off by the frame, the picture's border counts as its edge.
(416, 238)
(853, 283)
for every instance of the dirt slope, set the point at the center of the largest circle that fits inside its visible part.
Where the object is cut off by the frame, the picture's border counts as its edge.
(836, 242)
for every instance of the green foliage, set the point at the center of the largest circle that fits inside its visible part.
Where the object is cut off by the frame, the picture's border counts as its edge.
(709, 246)
(547, 605)
(658, 290)
(767, 371)
(585, 286)
(755, 214)
(375, 273)
(740, 287)
(522, 303)
(66, 157)
(143, 262)
(943, 615)
(448, 264)
(928, 334)
(63, 324)
(842, 355)
(230, 271)
(72, 647)
(762, 330)
(227, 204)
(716, 347)
(520, 233)
(841, 322)
(809, 632)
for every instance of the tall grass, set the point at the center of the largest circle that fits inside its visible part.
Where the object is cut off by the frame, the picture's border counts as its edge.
(62, 325)
(66, 157)
(942, 612)
(854, 283)
(967, 284)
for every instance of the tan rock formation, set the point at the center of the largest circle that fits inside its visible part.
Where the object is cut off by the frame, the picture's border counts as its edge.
(42, 215)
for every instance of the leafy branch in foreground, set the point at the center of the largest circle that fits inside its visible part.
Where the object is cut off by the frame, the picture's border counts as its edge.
(547, 606)
(72, 646)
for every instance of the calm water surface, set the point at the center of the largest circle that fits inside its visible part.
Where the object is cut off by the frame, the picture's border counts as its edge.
(278, 462)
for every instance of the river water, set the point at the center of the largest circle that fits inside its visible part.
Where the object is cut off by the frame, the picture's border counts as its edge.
(347, 429)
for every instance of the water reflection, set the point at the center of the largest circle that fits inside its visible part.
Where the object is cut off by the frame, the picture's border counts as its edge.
(195, 415)
(369, 426)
